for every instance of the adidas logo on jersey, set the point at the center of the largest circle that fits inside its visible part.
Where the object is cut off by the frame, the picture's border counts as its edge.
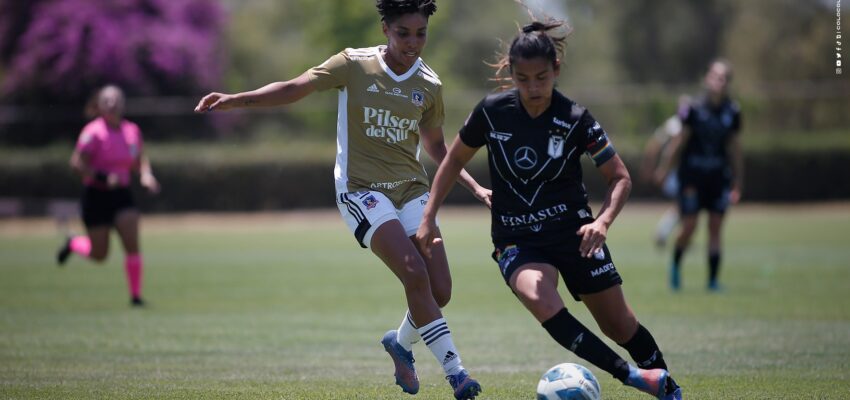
(373, 88)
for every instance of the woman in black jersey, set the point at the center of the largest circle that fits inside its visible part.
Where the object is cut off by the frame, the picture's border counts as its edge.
(541, 222)
(710, 166)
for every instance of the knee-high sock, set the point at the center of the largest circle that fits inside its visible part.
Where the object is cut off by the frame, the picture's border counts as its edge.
(644, 350)
(407, 333)
(133, 267)
(575, 337)
(439, 340)
(677, 257)
(81, 245)
(713, 266)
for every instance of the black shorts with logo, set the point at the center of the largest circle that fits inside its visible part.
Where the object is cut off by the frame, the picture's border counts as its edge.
(100, 206)
(581, 275)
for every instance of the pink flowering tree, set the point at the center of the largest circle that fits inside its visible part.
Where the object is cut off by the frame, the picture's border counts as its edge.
(65, 48)
(56, 52)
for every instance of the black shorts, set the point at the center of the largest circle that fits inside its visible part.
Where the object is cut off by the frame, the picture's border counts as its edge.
(101, 206)
(703, 192)
(581, 275)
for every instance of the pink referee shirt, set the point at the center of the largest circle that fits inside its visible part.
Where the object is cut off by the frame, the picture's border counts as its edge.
(111, 150)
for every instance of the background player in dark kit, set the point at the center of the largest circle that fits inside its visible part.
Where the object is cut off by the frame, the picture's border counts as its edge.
(710, 166)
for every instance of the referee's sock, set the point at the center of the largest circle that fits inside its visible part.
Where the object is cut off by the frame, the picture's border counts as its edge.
(80, 245)
(570, 333)
(133, 269)
(644, 350)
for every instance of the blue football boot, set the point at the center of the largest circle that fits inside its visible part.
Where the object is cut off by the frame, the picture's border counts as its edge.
(465, 388)
(405, 373)
(675, 279)
(652, 381)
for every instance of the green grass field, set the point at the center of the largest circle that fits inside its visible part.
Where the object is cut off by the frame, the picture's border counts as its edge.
(287, 306)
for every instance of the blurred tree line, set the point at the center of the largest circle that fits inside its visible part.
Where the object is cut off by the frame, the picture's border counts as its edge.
(626, 61)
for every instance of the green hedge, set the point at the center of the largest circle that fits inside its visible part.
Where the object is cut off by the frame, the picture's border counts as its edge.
(268, 185)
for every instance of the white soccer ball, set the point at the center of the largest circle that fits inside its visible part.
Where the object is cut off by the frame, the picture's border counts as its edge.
(568, 381)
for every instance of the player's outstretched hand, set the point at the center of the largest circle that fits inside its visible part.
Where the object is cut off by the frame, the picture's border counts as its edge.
(426, 237)
(215, 101)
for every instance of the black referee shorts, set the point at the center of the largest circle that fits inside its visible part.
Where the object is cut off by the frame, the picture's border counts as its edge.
(100, 206)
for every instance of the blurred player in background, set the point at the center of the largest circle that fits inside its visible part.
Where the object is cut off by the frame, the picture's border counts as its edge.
(390, 103)
(541, 223)
(652, 151)
(710, 166)
(108, 150)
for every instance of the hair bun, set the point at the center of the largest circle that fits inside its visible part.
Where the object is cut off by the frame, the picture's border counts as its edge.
(534, 27)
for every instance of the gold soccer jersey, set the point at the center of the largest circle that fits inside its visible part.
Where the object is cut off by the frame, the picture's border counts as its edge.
(380, 114)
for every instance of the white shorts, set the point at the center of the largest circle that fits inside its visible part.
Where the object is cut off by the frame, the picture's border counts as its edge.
(670, 188)
(365, 211)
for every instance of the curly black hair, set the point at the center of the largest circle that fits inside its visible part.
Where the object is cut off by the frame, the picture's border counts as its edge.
(390, 10)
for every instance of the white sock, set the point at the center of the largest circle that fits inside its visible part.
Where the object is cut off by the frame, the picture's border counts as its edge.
(439, 340)
(667, 223)
(407, 334)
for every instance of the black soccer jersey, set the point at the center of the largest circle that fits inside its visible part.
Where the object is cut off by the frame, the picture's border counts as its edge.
(711, 129)
(535, 163)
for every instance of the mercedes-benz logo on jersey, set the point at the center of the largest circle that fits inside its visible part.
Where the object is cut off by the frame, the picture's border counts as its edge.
(525, 157)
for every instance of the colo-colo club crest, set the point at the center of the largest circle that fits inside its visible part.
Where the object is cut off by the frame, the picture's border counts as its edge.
(556, 146)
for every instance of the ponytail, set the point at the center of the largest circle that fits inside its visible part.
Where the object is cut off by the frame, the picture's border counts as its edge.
(533, 41)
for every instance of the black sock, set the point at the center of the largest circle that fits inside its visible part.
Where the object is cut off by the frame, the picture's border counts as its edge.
(644, 350)
(570, 333)
(677, 256)
(713, 266)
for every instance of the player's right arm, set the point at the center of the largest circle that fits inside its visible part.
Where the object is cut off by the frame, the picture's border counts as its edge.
(273, 94)
(81, 160)
(458, 156)
(651, 151)
(80, 164)
(670, 154)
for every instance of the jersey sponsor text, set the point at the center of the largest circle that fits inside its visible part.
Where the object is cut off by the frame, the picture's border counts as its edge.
(390, 185)
(383, 124)
(534, 217)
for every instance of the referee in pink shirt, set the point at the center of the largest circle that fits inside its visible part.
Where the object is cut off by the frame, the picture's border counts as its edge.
(108, 150)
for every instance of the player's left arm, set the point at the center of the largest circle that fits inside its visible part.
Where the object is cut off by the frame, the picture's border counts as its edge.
(146, 177)
(619, 183)
(435, 145)
(737, 164)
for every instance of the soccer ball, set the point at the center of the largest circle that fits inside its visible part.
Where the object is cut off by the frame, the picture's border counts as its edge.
(568, 381)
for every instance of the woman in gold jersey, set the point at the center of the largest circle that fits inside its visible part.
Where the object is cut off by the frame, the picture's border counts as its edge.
(390, 103)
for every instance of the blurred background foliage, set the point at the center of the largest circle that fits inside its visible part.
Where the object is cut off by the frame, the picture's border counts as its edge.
(628, 62)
